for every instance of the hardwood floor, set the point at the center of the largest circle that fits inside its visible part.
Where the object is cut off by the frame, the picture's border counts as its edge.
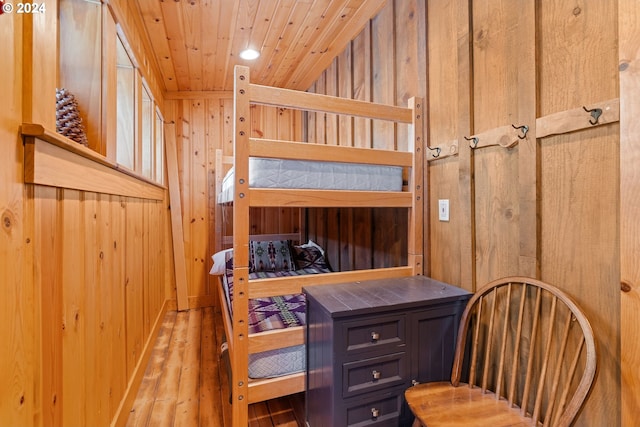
(183, 384)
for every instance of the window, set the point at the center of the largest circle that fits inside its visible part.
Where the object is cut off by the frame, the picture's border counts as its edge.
(96, 62)
(159, 171)
(80, 62)
(125, 147)
(147, 141)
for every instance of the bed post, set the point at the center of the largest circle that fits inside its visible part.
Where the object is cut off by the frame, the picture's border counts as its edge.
(416, 182)
(240, 359)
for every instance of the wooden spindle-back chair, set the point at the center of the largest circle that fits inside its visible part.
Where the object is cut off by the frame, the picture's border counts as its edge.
(525, 356)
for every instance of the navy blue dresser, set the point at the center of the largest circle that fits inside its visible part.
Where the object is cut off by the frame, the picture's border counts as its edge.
(368, 341)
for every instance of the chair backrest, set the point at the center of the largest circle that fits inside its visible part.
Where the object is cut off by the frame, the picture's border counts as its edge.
(530, 344)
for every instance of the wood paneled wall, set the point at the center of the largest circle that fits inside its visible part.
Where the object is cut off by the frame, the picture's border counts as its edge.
(85, 275)
(548, 207)
(204, 123)
(382, 65)
(100, 269)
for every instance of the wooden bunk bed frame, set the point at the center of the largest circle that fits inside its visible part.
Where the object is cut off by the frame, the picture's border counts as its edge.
(245, 391)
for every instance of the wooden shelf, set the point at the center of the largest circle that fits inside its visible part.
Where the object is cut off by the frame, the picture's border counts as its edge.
(54, 160)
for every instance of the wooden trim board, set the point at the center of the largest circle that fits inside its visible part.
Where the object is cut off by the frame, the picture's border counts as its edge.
(176, 217)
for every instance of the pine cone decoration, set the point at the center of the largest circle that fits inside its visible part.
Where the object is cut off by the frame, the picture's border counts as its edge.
(68, 120)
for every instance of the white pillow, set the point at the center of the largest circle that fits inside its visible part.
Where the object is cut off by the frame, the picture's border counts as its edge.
(313, 244)
(219, 263)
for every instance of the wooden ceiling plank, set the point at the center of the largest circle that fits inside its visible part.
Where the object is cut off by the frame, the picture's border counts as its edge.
(319, 27)
(293, 32)
(231, 35)
(337, 41)
(224, 21)
(312, 28)
(196, 42)
(245, 22)
(272, 43)
(153, 20)
(260, 31)
(209, 46)
(270, 37)
(172, 13)
(192, 26)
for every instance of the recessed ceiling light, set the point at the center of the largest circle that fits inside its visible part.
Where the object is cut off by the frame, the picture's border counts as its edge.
(249, 54)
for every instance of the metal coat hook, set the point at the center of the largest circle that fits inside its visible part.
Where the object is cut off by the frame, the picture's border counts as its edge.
(437, 150)
(523, 128)
(474, 144)
(595, 113)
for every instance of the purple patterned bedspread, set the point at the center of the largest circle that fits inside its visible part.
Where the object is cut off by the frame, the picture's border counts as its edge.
(274, 312)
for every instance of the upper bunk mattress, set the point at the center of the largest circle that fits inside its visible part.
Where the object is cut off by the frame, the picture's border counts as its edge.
(306, 174)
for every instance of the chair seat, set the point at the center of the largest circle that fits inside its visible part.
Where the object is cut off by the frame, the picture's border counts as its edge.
(441, 404)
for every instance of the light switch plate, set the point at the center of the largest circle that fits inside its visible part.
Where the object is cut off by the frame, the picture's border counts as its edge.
(443, 209)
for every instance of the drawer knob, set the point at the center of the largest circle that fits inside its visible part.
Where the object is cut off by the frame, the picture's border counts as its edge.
(376, 374)
(375, 413)
(375, 336)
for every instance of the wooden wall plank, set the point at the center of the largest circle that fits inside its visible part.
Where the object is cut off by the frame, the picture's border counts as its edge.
(528, 148)
(629, 54)
(20, 324)
(579, 182)
(134, 277)
(47, 223)
(90, 257)
(320, 118)
(495, 74)
(361, 47)
(345, 90)
(145, 262)
(104, 328)
(75, 311)
(443, 238)
(466, 177)
(629, 66)
(331, 89)
(383, 81)
(383, 47)
(411, 62)
(117, 293)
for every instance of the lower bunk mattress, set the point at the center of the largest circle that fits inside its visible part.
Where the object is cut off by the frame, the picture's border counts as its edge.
(265, 314)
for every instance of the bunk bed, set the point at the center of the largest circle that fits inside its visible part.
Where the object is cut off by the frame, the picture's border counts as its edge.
(245, 191)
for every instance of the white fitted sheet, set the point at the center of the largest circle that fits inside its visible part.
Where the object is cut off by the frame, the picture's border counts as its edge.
(305, 174)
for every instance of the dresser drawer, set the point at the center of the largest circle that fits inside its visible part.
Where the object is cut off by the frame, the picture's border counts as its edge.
(379, 332)
(381, 411)
(374, 374)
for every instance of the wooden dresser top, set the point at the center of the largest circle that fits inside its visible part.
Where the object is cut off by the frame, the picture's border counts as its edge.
(355, 298)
